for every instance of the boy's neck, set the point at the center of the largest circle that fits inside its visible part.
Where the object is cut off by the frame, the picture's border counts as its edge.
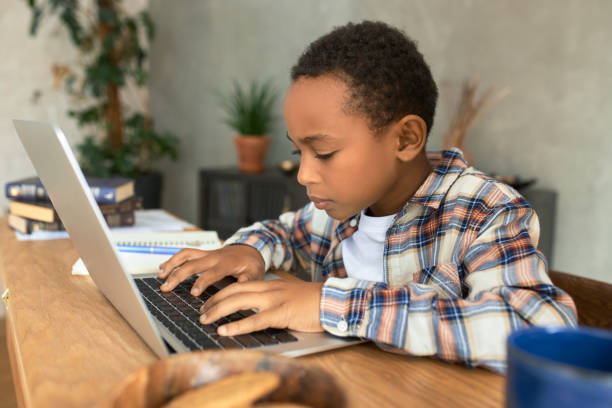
(412, 176)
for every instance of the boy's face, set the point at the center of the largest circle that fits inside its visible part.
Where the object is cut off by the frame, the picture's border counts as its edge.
(344, 166)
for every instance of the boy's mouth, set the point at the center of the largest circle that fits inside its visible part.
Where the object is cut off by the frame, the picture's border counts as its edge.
(320, 203)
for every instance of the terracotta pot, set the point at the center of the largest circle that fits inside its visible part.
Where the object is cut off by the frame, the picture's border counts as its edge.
(251, 152)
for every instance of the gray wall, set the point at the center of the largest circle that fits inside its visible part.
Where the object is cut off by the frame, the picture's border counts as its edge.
(553, 54)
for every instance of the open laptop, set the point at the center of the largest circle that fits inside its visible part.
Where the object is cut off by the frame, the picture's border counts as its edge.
(167, 322)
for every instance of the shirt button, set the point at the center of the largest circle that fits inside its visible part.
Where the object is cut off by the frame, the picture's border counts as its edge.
(342, 325)
(353, 222)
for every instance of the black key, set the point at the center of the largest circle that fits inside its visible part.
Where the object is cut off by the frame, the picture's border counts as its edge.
(233, 317)
(165, 307)
(246, 313)
(193, 316)
(228, 280)
(273, 331)
(246, 340)
(175, 300)
(227, 342)
(164, 320)
(207, 343)
(173, 315)
(209, 328)
(185, 325)
(264, 338)
(285, 337)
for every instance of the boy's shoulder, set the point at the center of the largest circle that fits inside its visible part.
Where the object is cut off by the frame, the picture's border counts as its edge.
(475, 185)
(454, 181)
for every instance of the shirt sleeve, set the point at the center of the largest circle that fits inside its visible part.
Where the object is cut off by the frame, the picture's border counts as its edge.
(505, 286)
(283, 243)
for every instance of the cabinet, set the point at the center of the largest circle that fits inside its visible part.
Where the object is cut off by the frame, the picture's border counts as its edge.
(544, 202)
(230, 199)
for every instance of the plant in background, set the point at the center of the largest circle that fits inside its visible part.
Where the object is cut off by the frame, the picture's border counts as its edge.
(469, 110)
(250, 111)
(112, 48)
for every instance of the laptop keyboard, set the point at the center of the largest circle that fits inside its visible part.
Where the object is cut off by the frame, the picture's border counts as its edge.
(179, 312)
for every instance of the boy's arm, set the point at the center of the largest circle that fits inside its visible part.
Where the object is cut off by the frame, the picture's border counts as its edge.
(505, 287)
(280, 242)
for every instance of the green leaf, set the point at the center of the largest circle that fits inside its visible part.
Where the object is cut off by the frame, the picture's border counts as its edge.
(36, 17)
(148, 24)
(250, 111)
(74, 28)
(86, 116)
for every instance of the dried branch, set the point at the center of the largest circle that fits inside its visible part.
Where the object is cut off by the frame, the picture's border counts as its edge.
(470, 110)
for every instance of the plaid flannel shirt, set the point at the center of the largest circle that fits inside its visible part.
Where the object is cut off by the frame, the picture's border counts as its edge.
(461, 268)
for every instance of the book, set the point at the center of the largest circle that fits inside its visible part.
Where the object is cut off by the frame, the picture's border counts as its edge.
(44, 211)
(34, 211)
(138, 263)
(28, 226)
(105, 190)
(130, 204)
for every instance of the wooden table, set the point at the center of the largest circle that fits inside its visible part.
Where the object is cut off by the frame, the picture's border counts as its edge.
(68, 346)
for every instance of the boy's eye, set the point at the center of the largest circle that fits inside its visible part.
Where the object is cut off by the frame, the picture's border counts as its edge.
(318, 156)
(324, 156)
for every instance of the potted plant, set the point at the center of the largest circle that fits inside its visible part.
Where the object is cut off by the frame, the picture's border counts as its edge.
(112, 46)
(249, 112)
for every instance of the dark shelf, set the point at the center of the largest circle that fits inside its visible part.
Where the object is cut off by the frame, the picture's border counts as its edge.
(230, 199)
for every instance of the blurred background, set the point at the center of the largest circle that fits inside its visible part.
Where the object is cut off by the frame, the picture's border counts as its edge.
(552, 126)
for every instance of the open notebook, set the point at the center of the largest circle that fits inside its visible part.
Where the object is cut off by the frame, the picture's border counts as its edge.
(149, 263)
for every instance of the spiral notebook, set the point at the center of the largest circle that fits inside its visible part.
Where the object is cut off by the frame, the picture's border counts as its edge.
(148, 263)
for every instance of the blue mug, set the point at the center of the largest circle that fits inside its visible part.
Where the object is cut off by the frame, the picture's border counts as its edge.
(559, 367)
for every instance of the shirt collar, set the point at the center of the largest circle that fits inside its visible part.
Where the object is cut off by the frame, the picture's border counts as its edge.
(450, 164)
(447, 167)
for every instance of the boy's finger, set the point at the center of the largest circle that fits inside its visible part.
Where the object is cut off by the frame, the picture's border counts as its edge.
(236, 289)
(256, 322)
(181, 273)
(177, 260)
(231, 304)
(207, 278)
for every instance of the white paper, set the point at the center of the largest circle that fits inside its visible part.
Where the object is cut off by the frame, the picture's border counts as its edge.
(149, 263)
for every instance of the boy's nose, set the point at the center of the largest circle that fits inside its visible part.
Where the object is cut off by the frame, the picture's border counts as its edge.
(306, 175)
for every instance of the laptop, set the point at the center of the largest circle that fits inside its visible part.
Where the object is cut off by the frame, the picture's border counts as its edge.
(166, 322)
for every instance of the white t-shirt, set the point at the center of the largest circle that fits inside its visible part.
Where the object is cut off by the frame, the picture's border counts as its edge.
(362, 252)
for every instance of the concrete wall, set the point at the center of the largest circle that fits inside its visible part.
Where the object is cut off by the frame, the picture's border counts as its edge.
(551, 53)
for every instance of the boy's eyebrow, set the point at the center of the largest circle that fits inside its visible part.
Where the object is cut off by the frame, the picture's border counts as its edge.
(310, 139)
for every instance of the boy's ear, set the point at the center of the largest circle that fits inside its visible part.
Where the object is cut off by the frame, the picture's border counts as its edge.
(410, 137)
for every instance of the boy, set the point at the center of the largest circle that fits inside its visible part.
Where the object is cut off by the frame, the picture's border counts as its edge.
(430, 261)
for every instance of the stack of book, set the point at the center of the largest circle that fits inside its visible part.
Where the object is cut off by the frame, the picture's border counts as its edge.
(31, 210)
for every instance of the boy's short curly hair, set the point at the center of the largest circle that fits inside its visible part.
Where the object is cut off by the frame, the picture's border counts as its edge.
(386, 74)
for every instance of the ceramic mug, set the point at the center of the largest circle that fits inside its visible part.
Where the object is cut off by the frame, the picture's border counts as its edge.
(559, 367)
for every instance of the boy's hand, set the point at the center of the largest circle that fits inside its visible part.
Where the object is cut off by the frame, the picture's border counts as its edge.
(240, 261)
(281, 304)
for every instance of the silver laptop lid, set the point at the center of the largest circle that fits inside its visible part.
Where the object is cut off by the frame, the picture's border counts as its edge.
(61, 175)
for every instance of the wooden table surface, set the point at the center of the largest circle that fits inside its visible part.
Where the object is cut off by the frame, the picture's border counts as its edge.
(68, 346)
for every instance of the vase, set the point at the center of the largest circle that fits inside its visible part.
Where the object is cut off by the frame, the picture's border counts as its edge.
(251, 151)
